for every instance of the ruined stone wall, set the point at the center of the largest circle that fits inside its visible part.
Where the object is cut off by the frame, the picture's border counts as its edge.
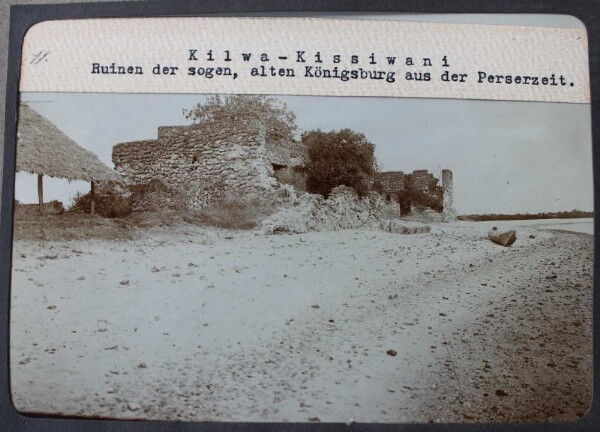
(426, 185)
(423, 181)
(285, 153)
(204, 162)
(419, 180)
(135, 160)
(343, 209)
(392, 181)
(448, 196)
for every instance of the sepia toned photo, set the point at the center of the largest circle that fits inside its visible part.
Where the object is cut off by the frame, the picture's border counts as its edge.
(250, 258)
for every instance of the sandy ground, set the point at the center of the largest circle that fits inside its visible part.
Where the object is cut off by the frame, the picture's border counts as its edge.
(237, 326)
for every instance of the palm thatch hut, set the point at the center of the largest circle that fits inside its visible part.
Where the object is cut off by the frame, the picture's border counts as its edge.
(43, 149)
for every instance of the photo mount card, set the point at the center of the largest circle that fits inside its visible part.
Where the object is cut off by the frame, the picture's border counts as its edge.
(299, 229)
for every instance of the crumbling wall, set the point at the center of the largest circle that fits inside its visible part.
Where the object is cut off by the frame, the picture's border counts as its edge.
(392, 182)
(425, 186)
(425, 183)
(448, 196)
(136, 160)
(420, 180)
(204, 162)
(343, 209)
(286, 153)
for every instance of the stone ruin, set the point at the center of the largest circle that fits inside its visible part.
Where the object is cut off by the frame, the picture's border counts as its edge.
(194, 166)
(419, 194)
(342, 209)
(206, 162)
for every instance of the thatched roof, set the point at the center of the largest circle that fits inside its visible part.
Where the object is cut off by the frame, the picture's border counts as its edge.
(43, 149)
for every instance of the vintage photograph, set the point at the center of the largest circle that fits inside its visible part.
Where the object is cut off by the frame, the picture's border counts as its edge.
(302, 259)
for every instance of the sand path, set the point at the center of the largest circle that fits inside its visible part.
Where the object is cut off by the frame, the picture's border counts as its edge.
(214, 325)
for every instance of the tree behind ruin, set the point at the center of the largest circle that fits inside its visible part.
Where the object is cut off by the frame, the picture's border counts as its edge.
(338, 158)
(279, 121)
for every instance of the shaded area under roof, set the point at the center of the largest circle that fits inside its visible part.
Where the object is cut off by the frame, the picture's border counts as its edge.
(44, 149)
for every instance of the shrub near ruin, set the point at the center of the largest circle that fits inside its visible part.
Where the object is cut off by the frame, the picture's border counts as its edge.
(109, 205)
(293, 177)
(236, 213)
(343, 158)
(154, 196)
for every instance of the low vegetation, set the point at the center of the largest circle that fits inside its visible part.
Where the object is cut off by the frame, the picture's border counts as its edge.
(154, 196)
(236, 213)
(109, 205)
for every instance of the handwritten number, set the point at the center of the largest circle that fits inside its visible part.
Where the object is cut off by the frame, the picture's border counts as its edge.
(39, 57)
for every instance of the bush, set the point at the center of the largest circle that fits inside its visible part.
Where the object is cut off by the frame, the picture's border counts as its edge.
(339, 158)
(235, 213)
(278, 120)
(154, 196)
(291, 176)
(109, 205)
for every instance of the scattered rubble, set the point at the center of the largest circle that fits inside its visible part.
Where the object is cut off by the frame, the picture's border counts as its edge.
(343, 209)
(404, 227)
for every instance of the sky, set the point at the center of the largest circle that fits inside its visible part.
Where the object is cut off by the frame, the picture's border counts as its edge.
(507, 157)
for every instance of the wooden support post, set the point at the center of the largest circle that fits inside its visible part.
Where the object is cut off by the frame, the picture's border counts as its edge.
(93, 197)
(41, 192)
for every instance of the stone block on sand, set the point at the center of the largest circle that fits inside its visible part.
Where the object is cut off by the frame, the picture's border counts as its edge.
(404, 227)
(504, 238)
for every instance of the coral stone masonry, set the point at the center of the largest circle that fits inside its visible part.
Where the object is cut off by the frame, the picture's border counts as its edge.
(448, 197)
(398, 186)
(203, 162)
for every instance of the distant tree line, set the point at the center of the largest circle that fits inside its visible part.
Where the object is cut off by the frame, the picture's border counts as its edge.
(572, 214)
